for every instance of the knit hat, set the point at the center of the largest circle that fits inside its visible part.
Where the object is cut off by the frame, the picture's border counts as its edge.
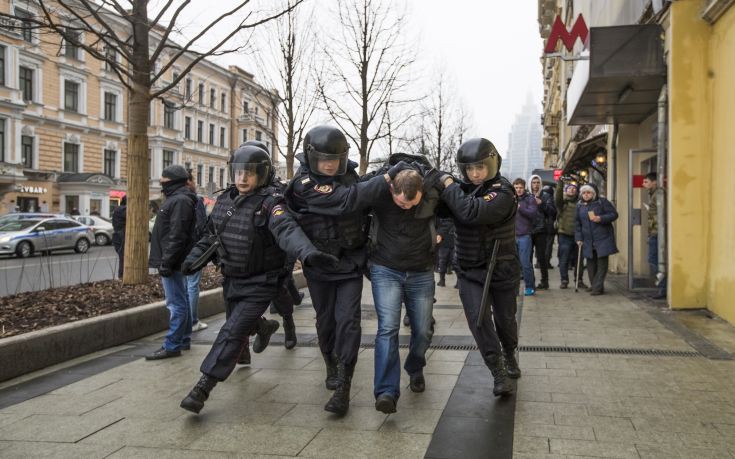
(589, 188)
(570, 185)
(176, 173)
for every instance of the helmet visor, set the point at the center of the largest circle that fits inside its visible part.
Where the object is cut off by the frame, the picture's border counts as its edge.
(484, 169)
(245, 172)
(328, 164)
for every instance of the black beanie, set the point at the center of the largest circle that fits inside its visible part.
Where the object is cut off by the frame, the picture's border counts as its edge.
(175, 173)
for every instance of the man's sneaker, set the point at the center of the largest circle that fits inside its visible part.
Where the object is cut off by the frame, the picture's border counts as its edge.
(385, 403)
(582, 285)
(265, 331)
(543, 285)
(564, 284)
(199, 326)
(162, 354)
(529, 292)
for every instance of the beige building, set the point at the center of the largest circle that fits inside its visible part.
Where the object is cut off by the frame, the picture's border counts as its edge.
(63, 123)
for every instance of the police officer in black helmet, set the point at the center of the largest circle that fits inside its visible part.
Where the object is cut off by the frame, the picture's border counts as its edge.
(328, 202)
(484, 208)
(254, 242)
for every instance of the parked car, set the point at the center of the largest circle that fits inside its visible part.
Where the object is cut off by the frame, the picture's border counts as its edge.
(101, 227)
(24, 237)
(13, 216)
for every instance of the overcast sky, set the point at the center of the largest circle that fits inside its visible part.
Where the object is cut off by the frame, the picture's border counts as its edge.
(489, 49)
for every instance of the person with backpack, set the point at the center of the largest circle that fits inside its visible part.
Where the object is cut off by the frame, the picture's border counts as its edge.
(595, 233)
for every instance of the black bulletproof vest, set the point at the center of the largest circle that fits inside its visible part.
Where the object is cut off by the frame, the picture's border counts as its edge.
(474, 243)
(334, 234)
(249, 245)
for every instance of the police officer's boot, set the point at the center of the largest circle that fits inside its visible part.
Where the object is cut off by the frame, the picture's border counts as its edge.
(442, 279)
(244, 358)
(511, 364)
(289, 329)
(502, 385)
(331, 361)
(266, 328)
(340, 401)
(194, 402)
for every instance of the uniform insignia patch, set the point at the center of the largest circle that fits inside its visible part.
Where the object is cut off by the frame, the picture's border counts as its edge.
(490, 196)
(323, 189)
(277, 210)
(305, 181)
(497, 185)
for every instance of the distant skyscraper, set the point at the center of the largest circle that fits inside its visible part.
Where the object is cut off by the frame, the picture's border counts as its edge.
(524, 143)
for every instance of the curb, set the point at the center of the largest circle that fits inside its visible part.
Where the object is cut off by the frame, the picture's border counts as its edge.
(42, 348)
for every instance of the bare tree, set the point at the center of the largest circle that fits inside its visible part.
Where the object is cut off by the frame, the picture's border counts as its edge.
(99, 27)
(287, 43)
(365, 65)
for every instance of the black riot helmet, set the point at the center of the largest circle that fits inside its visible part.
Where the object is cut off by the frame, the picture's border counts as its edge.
(328, 145)
(256, 143)
(478, 152)
(248, 160)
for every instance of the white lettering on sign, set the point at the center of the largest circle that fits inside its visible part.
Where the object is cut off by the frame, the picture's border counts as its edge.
(33, 189)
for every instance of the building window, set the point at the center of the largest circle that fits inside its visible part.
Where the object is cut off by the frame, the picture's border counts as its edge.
(71, 48)
(244, 135)
(110, 162)
(168, 115)
(71, 96)
(187, 166)
(26, 151)
(200, 131)
(2, 139)
(211, 134)
(258, 135)
(221, 177)
(187, 89)
(187, 128)
(2, 65)
(25, 78)
(211, 174)
(201, 93)
(27, 28)
(110, 106)
(110, 56)
(200, 172)
(168, 158)
(212, 98)
(71, 157)
(223, 102)
(174, 77)
(222, 133)
(245, 107)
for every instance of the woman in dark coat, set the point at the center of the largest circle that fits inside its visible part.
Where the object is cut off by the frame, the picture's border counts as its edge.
(595, 233)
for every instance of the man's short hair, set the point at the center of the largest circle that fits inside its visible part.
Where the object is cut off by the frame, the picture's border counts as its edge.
(651, 176)
(519, 181)
(408, 182)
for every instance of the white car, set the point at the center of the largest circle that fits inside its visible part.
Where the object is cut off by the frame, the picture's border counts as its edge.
(101, 227)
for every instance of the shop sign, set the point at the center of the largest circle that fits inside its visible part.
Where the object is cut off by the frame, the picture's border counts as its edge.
(31, 189)
(568, 37)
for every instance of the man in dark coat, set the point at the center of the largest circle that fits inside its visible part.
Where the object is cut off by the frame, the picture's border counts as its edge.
(119, 216)
(595, 233)
(540, 231)
(445, 247)
(171, 240)
(527, 213)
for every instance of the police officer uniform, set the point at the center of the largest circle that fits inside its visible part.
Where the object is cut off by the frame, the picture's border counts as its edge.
(484, 214)
(330, 206)
(251, 255)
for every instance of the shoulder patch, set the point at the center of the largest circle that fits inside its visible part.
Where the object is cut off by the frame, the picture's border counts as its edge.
(306, 180)
(323, 189)
(497, 185)
(490, 196)
(277, 210)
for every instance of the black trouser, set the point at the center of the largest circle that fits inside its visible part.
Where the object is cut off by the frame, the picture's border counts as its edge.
(443, 258)
(568, 251)
(120, 250)
(539, 248)
(337, 306)
(549, 247)
(500, 326)
(597, 269)
(284, 302)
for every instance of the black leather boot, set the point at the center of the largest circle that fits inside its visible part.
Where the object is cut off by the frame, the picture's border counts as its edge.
(194, 402)
(502, 385)
(340, 401)
(289, 329)
(442, 280)
(331, 380)
(266, 328)
(511, 364)
(244, 358)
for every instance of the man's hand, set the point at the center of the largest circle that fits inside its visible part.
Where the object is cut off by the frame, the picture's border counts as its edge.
(438, 238)
(437, 179)
(186, 268)
(322, 260)
(596, 219)
(165, 271)
(401, 166)
(538, 201)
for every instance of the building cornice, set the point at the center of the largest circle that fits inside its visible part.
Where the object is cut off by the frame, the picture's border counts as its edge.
(715, 9)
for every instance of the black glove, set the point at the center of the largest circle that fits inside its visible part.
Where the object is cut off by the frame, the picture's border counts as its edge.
(401, 166)
(165, 271)
(186, 268)
(435, 179)
(322, 260)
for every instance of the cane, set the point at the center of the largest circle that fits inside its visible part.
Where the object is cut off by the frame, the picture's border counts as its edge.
(576, 273)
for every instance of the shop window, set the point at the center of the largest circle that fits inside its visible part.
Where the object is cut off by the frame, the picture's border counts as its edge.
(71, 204)
(95, 207)
(26, 150)
(27, 204)
(71, 157)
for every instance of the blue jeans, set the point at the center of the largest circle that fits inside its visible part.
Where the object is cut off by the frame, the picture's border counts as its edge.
(525, 251)
(177, 302)
(653, 262)
(192, 289)
(390, 288)
(568, 252)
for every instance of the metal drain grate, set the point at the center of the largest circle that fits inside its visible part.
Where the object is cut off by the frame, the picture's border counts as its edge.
(610, 350)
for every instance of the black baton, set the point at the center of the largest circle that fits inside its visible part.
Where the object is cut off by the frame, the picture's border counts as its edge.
(488, 280)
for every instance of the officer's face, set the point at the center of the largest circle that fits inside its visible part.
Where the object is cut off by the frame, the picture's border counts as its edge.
(405, 204)
(477, 173)
(328, 166)
(245, 181)
(520, 189)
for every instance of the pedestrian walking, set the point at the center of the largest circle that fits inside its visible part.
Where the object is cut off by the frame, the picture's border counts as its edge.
(251, 231)
(595, 233)
(545, 216)
(650, 184)
(551, 228)
(484, 207)
(193, 280)
(566, 198)
(119, 216)
(445, 247)
(171, 240)
(524, 222)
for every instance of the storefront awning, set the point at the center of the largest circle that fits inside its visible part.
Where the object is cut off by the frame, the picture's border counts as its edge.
(621, 81)
(584, 152)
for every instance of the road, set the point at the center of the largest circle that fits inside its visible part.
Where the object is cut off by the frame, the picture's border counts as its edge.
(60, 269)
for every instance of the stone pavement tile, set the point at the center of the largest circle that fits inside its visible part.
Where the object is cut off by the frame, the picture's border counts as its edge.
(357, 418)
(274, 376)
(431, 399)
(529, 396)
(549, 372)
(545, 456)
(138, 452)
(285, 363)
(526, 417)
(592, 448)
(150, 432)
(469, 437)
(241, 412)
(87, 385)
(360, 444)
(474, 402)
(9, 418)
(64, 405)
(449, 356)
(53, 428)
(667, 451)
(38, 449)
(294, 393)
(440, 367)
(554, 431)
(525, 444)
(592, 421)
(254, 439)
(433, 381)
(627, 434)
(571, 409)
(667, 424)
(726, 429)
(164, 409)
(412, 420)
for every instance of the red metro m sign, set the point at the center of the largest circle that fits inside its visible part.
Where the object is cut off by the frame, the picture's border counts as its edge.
(559, 31)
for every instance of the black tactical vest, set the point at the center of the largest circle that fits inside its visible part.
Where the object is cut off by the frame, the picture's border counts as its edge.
(249, 245)
(474, 243)
(331, 234)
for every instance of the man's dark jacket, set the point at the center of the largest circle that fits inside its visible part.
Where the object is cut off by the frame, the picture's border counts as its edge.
(173, 233)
